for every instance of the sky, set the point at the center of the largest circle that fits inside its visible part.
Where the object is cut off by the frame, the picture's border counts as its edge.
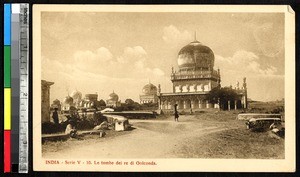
(102, 52)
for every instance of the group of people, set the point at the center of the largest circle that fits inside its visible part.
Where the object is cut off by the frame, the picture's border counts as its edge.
(72, 119)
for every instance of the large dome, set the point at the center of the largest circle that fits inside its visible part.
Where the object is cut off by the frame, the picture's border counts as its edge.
(76, 95)
(113, 97)
(150, 89)
(68, 100)
(196, 55)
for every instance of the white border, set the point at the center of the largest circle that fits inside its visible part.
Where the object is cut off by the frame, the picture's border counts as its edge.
(211, 165)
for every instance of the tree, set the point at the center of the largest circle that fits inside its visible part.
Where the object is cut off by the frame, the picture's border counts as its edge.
(129, 101)
(102, 103)
(222, 96)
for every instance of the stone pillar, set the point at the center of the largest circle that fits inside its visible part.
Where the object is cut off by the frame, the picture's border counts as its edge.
(159, 103)
(207, 104)
(242, 103)
(184, 104)
(245, 101)
(46, 100)
(235, 104)
(228, 105)
(216, 106)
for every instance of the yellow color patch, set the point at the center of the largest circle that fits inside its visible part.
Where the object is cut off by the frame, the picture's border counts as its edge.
(7, 108)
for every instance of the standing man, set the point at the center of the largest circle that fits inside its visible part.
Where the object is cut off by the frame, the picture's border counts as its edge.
(176, 113)
(55, 116)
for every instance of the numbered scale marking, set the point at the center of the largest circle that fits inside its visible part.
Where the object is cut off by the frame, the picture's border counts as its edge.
(24, 84)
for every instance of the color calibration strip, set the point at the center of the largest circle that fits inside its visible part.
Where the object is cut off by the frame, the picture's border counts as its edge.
(7, 88)
(16, 45)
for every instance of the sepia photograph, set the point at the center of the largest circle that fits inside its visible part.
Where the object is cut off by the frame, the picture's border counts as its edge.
(163, 88)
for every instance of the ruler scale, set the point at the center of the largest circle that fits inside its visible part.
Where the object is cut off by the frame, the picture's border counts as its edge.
(15, 85)
(24, 84)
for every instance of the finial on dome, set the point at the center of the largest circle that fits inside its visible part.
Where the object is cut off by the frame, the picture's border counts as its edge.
(195, 36)
(159, 89)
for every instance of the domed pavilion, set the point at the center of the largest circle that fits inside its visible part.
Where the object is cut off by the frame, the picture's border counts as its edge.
(149, 94)
(113, 100)
(194, 79)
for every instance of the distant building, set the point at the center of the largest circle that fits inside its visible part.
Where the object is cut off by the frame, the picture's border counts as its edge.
(149, 94)
(67, 103)
(89, 101)
(46, 100)
(77, 97)
(113, 100)
(193, 81)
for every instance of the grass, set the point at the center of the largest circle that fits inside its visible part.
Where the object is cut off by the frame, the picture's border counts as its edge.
(55, 146)
(234, 143)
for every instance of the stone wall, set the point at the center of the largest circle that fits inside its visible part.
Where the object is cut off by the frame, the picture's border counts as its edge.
(46, 100)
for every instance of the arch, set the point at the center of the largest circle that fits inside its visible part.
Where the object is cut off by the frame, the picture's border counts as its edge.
(184, 88)
(239, 104)
(177, 89)
(172, 102)
(206, 87)
(169, 105)
(180, 104)
(195, 104)
(187, 104)
(192, 88)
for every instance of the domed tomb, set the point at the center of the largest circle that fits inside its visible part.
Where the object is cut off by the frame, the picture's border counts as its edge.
(76, 95)
(196, 56)
(113, 100)
(149, 89)
(113, 97)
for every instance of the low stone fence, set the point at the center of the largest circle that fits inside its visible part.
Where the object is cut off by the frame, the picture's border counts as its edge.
(135, 114)
(249, 116)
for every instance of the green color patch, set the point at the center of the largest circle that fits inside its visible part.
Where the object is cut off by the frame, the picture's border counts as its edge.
(7, 66)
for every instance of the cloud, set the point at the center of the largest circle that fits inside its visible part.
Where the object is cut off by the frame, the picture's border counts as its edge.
(132, 54)
(87, 59)
(158, 72)
(264, 83)
(91, 71)
(244, 62)
(174, 37)
(131, 63)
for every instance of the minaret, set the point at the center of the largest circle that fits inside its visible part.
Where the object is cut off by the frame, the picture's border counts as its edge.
(245, 92)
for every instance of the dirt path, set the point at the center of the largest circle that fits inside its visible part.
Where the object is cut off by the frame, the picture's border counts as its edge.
(149, 139)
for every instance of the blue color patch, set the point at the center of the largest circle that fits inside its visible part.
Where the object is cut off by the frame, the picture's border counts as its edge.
(7, 23)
